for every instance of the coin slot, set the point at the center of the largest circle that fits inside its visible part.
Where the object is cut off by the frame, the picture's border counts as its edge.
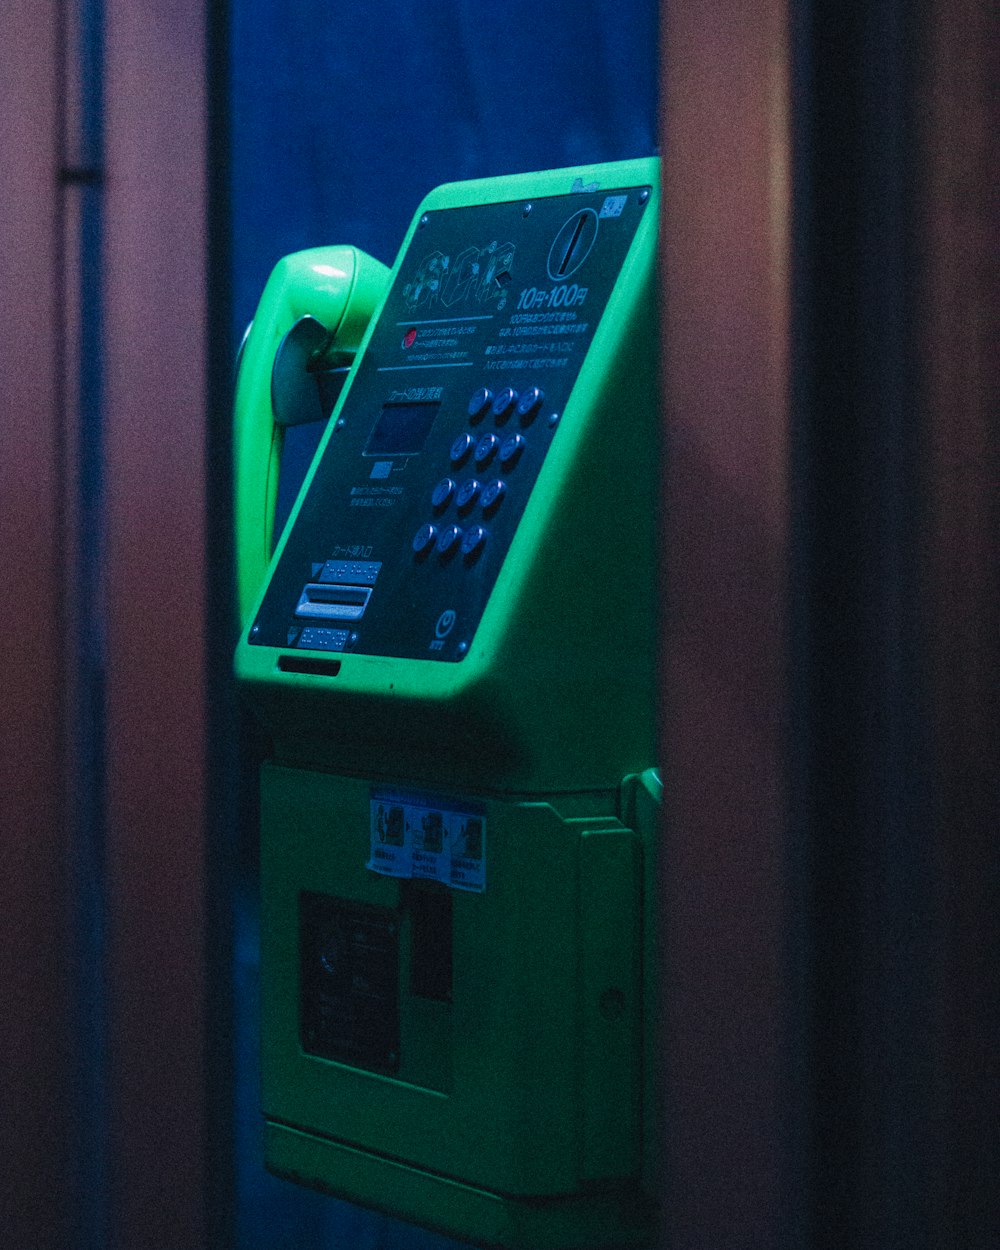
(572, 245)
(564, 264)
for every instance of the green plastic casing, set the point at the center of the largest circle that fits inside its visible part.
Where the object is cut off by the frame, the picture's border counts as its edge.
(521, 1112)
(548, 697)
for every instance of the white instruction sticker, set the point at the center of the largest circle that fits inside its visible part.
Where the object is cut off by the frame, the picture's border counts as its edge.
(614, 205)
(415, 837)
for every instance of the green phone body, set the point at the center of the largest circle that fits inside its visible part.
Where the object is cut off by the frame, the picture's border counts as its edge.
(452, 650)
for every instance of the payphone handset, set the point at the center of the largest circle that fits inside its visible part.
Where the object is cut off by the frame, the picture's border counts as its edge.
(309, 323)
(452, 649)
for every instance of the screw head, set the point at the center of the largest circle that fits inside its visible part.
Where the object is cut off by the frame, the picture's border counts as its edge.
(424, 220)
(255, 631)
(340, 423)
(644, 195)
(463, 647)
(553, 420)
(527, 209)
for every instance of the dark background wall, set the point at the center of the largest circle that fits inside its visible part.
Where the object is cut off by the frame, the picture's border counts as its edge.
(344, 116)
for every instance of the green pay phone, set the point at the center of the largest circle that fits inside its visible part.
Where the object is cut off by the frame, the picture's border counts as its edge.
(452, 650)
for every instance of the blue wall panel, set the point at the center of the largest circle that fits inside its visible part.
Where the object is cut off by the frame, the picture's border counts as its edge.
(345, 115)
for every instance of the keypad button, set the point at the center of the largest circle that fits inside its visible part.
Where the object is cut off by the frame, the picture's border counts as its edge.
(461, 447)
(443, 494)
(480, 403)
(486, 449)
(448, 540)
(529, 403)
(424, 539)
(510, 451)
(493, 495)
(473, 541)
(504, 403)
(468, 493)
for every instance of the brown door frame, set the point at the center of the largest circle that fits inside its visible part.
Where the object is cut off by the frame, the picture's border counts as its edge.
(829, 962)
(156, 422)
(730, 1119)
(958, 333)
(35, 878)
(150, 1120)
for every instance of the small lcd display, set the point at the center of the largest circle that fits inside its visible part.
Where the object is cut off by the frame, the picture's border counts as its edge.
(401, 429)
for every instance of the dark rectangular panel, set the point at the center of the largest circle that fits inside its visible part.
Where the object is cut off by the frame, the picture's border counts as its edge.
(349, 982)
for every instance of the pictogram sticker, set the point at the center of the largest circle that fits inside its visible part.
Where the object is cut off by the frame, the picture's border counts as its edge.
(416, 837)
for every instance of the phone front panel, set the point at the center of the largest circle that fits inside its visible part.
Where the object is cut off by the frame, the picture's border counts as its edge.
(443, 433)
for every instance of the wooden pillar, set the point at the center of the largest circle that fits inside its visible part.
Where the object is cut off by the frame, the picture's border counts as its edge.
(958, 333)
(36, 958)
(156, 388)
(729, 1119)
(830, 649)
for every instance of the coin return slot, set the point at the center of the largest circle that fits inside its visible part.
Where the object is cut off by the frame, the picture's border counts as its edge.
(308, 666)
(333, 602)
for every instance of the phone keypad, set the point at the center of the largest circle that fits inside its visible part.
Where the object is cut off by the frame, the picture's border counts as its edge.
(504, 404)
(511, 450)
(471, 494)
(480, 403)
(467, 494)
(443, 494)
(448, 540)
(424, 539)
(493, 496)
(461, 447)
(529, 403)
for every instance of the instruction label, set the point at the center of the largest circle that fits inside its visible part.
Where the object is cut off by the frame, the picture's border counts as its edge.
(413, 837)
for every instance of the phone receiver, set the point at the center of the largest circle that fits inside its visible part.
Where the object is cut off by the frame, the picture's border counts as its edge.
(292, 364)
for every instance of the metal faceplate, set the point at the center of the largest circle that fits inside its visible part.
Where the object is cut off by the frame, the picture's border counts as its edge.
(412, 508)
